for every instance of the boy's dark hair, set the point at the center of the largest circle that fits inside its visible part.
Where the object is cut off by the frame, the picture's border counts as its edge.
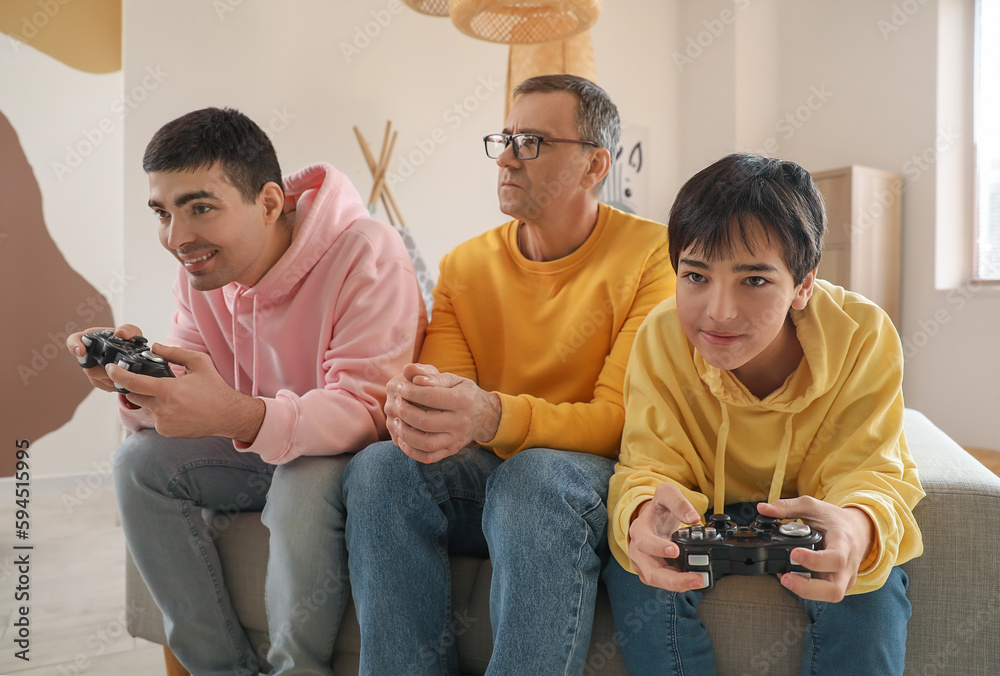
(227, 136)
(721, 207)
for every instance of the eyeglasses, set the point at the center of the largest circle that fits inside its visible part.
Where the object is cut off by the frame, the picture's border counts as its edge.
(526, 146)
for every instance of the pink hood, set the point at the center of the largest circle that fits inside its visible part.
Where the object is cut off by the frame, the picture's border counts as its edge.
(318, 337)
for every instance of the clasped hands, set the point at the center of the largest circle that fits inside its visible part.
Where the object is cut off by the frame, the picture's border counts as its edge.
(198, 403)
(848, 537)
(432, 415)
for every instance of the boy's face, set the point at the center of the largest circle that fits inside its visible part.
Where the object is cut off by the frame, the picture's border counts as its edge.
(209, 228)
(734, 310)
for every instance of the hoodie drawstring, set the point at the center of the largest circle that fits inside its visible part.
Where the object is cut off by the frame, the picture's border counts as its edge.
(720, 462)
(236, 361)
(253, 373)
(779, 469)
(777, 481)
(254, 387)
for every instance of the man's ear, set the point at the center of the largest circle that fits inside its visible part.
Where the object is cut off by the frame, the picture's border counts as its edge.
(804, 291)
(597, 169)
(272, 200)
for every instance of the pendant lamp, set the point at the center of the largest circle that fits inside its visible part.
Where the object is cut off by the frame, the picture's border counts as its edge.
(431, 7)
(519, 22)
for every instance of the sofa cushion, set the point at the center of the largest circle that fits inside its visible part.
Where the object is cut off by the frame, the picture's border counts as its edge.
(756, 625)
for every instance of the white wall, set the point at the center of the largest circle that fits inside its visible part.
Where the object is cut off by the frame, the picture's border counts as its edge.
(417, 71)
(874, 97)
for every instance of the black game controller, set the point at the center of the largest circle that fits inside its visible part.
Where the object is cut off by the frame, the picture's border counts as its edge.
(722, 548)
(103, 348)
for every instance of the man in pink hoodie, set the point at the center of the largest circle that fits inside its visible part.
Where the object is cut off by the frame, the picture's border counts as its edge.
(294, 309)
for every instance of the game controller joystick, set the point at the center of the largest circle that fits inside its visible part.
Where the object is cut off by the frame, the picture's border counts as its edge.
(722, 548)
(103, 348)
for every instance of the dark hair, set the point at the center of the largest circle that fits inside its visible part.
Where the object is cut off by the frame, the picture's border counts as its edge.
(720, 208)
(596, 116)
(227, 136)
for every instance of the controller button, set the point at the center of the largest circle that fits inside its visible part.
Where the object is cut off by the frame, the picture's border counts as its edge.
(153, 357)
(697, 534)
(795, 529)
(697, 559)
(710, 532)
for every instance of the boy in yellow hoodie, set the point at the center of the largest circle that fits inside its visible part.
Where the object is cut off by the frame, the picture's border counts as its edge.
(760, 388)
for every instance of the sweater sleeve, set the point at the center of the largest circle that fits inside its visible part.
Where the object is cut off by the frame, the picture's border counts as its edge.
(381, 319)
(445, 347)
(594, 426)
(863, 460)
(655, 447)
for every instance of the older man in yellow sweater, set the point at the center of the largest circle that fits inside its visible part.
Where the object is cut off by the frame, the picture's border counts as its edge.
(504, 436)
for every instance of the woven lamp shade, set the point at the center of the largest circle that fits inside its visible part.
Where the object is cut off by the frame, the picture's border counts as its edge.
(432, 7)
(522, 22)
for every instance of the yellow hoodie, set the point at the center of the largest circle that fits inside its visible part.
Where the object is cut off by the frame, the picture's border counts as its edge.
(833, 430)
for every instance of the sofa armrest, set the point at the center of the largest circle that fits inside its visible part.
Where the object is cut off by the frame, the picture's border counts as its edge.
(955, 584)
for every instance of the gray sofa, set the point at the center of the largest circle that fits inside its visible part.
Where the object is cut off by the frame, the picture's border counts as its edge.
(757, 627)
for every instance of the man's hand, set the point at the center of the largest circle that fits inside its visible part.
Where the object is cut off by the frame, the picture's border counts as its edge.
(198, 403)
(97, 375)
(847, 541)
(649, 540)
(432, 415)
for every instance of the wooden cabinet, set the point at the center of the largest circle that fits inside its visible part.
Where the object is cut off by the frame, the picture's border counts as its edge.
(862, 249)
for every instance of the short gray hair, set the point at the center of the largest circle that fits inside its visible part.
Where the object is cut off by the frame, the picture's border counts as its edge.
(596, 116)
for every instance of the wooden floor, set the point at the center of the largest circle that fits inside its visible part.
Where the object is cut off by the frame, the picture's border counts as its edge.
(77, 609)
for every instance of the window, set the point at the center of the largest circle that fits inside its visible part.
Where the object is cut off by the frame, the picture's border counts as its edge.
(987, 139)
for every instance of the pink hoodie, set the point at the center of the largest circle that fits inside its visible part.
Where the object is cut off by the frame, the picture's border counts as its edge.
(318, 337)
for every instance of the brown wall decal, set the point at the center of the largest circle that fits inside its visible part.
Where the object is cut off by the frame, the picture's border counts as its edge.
(42, 300)
(86, 35)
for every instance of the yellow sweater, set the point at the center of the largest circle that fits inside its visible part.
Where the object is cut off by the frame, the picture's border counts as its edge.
(552, 338)
(837, 421)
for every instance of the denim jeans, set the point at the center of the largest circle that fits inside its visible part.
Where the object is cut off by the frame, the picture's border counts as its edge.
(659, 631)
(162, 484)
(541, 517)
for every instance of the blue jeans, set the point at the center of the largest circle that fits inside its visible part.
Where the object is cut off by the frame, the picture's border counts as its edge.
(659, 631)
(162, 484)
(541, 516)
